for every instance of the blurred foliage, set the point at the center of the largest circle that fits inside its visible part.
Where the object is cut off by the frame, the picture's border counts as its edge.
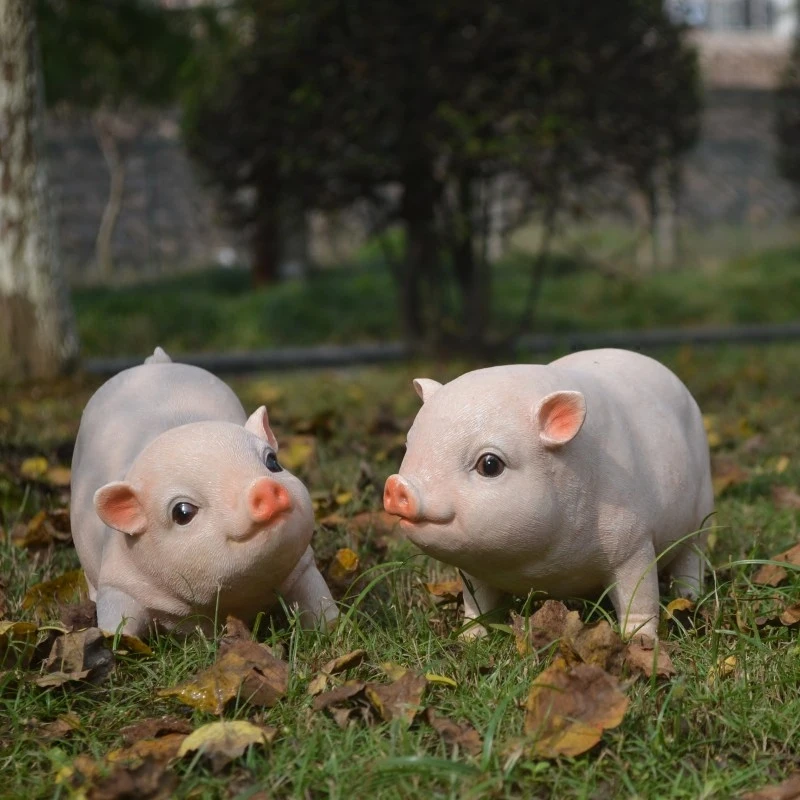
(99, 53)
(788, 118)
(322, 104)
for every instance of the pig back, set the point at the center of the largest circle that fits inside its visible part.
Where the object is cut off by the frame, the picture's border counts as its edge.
(125, 414)
(645, 441)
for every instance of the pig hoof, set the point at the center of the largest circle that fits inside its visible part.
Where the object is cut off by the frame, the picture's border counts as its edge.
(475, 631)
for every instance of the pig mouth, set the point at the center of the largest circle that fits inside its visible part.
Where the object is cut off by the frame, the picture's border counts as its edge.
(422, 523)
(256, 530)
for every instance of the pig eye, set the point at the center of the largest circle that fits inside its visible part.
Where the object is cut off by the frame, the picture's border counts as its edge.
(183, 513)
(490, 466)
(271, 462)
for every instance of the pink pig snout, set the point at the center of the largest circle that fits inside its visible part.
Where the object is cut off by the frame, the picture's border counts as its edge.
(266, 499)
(400, 498)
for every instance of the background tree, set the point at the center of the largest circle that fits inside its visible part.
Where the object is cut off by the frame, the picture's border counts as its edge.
(788, 118)
(417, 108)
(37, 331)
(118, 61)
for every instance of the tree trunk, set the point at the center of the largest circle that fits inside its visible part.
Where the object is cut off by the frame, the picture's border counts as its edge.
(37, 330)
(115, 161)
(266, 246)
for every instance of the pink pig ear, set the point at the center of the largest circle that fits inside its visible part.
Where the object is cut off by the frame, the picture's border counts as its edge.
(426, 388)
(560, 416)
(258, 423)
(119, 507)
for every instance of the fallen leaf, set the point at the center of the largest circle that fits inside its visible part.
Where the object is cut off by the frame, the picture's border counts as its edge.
(774, 574)
(297, 452)
(788, 790)
(337, 696)
(59, 728)
(333, 667)
(160, 748)
(343, 498)
(42, 530)
(393, 671)
(222, 742)
(781, 465)
(676, 605)
(78, 656)
(126, 644)
(17, 643)
(148, 780)
(79, 615)
(568, 709)
(543, 627)
(343, 568)
(446, 591)
(49, 598)
(723, 669)
(33, 468)
(463, 735)
(244, 667)
(153, 728)
(432, 677)
(58, 476)
(644, 655)
(401, 699)
(236, 629)
(596, 644)
(791, 616)
(784, 497)
(726, 474)
(377, 521)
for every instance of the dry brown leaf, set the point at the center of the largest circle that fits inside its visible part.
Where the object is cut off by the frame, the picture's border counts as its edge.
(644, 655)
(236, 629)
(162, 748)
(462, 735)
(568, 709)
(774, 574)
(147, 780)
(59, 728)
(153, 728)
(42, 530)
(788, 790)
(297, 452)
(784, 497)
(337, 696)
(726, 474)
(333, 667)
(597, 644)
(58, 476)
(401, 699)
(222, 742)
(78, 615)
(446, 591)
(245, 668)
(343, 568)
(48, 599)
(78, 656)
(543, 627)
(791, 616)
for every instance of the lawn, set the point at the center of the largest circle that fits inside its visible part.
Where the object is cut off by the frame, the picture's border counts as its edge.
(726, 723)
(218, 309)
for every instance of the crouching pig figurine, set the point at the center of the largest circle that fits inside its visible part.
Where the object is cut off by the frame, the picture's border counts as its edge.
(181, 511)
(585, 474)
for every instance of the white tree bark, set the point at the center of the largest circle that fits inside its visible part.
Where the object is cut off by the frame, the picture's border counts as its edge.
(37, 330)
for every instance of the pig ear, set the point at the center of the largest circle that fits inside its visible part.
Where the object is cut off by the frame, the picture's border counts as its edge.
(119, 507)
(426, 388)
(560, 416)
(258, 423)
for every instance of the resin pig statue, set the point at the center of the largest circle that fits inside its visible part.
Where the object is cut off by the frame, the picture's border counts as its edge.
(181, 511)
(583, 475)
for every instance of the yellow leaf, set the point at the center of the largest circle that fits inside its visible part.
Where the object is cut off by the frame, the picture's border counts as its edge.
(343, 498)
(782, 464)
(678, 604)
(432, 677)
(393, 671)
(343, 568)
(714, 439)
(46, 598)
(222, 742)
(297, 451)
(723, 668)
(34, 468)
(58, 476)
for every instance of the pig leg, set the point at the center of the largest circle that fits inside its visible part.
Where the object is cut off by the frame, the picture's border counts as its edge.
(479, 599)
(306, 590)
(634, 594)
(686, 571)
(114, 607)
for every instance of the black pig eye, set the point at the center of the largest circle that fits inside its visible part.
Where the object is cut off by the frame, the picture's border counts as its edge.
(183, 513)
(272, 462)
(490, 466)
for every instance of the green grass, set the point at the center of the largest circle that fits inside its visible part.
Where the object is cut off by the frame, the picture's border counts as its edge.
(218, 310)
(691, 737)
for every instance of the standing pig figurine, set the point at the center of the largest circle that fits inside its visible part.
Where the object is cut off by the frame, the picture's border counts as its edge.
(180, 507)
(573, 477)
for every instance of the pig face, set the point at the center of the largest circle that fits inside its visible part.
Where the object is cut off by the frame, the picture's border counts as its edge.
(475, 487)
(207, 508)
